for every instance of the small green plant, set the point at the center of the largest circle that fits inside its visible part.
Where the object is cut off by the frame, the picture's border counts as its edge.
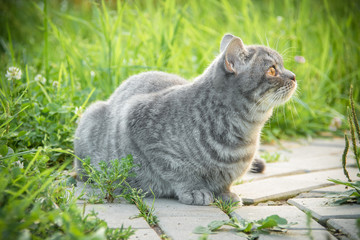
(352, 195)
(271, 157)
(110, 177)
(308, 225)
(245, 228)
(226, 206)
(136, 196)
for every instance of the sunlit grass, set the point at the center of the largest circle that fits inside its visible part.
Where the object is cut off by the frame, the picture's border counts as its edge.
(97, 45)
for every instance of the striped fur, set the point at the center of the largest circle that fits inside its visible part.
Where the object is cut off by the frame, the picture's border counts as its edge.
(192, 140)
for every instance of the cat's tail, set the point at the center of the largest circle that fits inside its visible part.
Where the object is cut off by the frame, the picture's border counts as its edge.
(258, 165)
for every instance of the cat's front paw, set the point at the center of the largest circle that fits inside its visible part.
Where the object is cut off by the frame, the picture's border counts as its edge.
(197, 197)
(229, 196)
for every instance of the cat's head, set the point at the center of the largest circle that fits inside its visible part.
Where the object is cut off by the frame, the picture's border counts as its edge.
(256, 71)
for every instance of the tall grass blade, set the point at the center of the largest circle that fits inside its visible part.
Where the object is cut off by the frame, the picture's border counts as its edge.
(353, 138)
(344, 157)
(355, 119)
(46, 40)
(13, 117)
(354, 127)
(11, 49)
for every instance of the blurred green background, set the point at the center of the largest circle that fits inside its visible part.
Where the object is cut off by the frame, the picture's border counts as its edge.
(85, 49)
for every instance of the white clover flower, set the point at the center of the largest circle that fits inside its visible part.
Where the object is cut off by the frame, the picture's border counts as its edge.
(279, 19)
(55, 84)
(78, 110)
(19, 164)
(92, 74)
(13, 73)
(40, 78)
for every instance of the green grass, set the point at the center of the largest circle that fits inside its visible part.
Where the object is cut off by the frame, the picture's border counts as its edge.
(67, 42)
(226, 206)
(136, 196)
(272, 157)
(110, 176)
(85, 49)
(37, 202)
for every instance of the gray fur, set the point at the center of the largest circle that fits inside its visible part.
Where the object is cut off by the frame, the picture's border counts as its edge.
(191, 140)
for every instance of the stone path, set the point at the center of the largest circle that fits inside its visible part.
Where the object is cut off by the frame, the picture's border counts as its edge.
(297, 184)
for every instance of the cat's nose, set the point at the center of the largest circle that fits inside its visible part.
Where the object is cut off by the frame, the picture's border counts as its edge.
(292, 77)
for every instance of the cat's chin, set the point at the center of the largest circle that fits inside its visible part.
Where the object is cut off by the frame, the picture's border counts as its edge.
(287, 93)
(287, 97)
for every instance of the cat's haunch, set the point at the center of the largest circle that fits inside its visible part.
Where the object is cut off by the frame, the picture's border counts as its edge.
(189, 140)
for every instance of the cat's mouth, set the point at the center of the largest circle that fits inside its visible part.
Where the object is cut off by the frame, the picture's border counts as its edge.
(282, 93)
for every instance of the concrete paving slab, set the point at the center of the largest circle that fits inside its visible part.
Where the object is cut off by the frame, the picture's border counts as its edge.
(285, 145)
(173, 208)
(286, 187)
(178, 220)
(332, 189)
(323, 192)
(85, 191)
(291, 214)
(337, 142)
(323, 209)
(345, 226)
(314, 156)
(142, 234)
(117, 214)
(122, 214)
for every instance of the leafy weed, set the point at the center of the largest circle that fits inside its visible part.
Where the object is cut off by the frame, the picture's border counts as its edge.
(110, 177)
(245, 228)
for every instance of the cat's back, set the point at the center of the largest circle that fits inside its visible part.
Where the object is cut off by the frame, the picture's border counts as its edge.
(145, 83)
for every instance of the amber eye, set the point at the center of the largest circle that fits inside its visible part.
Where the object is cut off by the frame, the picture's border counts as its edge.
(271, 72)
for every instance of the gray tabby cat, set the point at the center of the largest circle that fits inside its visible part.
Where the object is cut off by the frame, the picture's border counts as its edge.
(191, 140)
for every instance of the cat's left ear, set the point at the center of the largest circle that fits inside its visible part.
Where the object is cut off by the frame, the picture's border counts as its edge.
(225, 41)
(235, 54)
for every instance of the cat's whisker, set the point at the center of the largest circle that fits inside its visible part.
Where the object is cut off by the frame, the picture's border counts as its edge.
(273, 99)
(260, 39)
(267, 40)
(257, 105)
(294, 106)
(277, 117)
(277, 43)
(284, 114)
(286, 51)
(292, 116)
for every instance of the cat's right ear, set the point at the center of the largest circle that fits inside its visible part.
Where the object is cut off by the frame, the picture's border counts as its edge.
(235, 54)
(225, 41)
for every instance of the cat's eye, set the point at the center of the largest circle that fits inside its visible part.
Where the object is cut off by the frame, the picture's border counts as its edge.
(271, 72)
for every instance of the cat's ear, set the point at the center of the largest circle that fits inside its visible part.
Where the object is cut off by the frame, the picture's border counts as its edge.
(225, 41)
(235, 54)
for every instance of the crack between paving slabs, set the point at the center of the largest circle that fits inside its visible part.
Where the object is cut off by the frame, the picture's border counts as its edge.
(317, 218)
(314, 217)
(280, 196)
(293, 173)
(155, 225)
